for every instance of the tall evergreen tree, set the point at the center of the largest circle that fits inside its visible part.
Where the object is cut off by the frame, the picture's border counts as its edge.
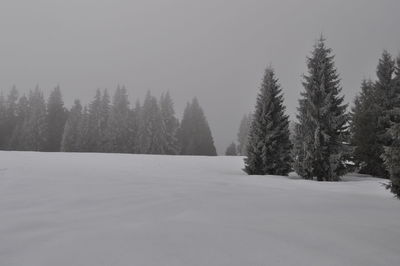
(243, 134)
(171, 124)
(22, 111)
(34, 128)
(391, 155)
(56, 118)
(322, 119)
(135, 125)
(269, 146)
(2, 122)
(10, 116)
(117, 132)
(152, 132)
(98, 113)
(70, 139)
(364, 127)
(194, 133)
(85, 141)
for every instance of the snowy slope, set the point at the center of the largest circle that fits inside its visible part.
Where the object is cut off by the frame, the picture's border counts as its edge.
(103, 209)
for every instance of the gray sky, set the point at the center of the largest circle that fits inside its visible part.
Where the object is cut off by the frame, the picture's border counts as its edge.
(214, 49)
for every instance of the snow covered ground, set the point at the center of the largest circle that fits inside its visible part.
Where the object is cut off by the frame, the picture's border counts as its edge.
(112, 209)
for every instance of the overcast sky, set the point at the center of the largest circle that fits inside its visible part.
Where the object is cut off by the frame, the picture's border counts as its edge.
(216, 50)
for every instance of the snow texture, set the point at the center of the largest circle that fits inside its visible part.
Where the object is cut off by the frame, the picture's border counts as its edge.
(114, 209)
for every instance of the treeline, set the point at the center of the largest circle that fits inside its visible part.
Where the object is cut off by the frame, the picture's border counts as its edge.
(327, 140)
(29, 123)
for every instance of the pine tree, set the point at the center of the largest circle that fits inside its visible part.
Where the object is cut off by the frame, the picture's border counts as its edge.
(22, 111)
(269, 147)
(171, 124)
(243, 133)
(105, 109)
(117, 131)
(231, 150)
(152, 132)
(3, 140)
(322, 120)
(10, 115)
(364, 127)
(34, 129)
(56, 118)
(194, 134)
(135, 125)
(70, 139)
(391, 155)
(84, 138)
(97, 121)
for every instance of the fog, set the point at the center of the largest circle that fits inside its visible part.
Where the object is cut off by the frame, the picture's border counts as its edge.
(213, 49)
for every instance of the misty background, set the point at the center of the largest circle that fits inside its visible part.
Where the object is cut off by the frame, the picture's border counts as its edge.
(213, 49)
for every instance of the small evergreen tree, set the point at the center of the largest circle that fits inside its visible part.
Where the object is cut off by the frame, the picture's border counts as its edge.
(269, 147)
(231, 150)
(70, 139)
(322, 120)
(243, 134)
(56, 118)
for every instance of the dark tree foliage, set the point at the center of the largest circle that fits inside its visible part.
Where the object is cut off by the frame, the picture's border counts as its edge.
(391, 155)
(364, 127)
(269, 147)
(152, 131)
(118, 126)
(171, 124)
(56, 118)
(34, 127)
(231, 150)
(243, 134)
(195, 134)
(322, 119)
(70, 139)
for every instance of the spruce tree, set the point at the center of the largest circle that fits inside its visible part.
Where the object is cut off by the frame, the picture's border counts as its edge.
(135, 125)
(34, 129)
(269, 147)
(231, 150)
(117, 131)
(70, 139)
(243, 133)
(364, 132)
(2, 122)
(171, 124)
(97, 122)
(152, 132)
(322, 119)
(56, 117)
(84, 138)
(22, 111)
(10, 116)
(391, 155)
(194, 134)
